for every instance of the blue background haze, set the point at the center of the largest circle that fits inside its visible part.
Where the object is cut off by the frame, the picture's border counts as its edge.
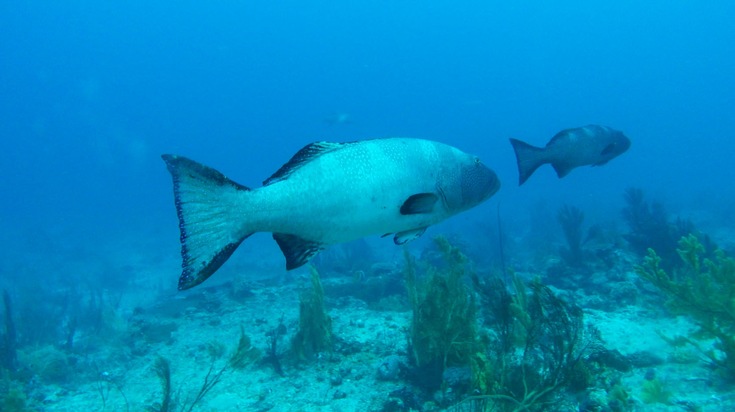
(93, 92)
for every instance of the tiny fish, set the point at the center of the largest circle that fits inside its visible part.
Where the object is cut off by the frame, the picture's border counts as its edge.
(589, 145)
(327, 193)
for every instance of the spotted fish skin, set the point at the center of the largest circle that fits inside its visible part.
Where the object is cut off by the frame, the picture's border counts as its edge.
(592, 145)
(327, 193)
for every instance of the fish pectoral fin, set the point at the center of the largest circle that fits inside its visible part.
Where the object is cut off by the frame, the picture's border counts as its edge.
(609, 149)
(419, 203)
(406, 236)
(296, 250)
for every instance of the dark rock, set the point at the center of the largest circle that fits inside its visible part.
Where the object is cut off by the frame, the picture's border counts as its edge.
(457, 378)
(612, 359)
(403, 399)
(650, 374)
(623, 293)
(335, 379)
(391, 368)
(644, 359)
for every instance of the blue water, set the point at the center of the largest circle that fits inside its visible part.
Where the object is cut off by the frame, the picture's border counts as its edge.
(93, 92)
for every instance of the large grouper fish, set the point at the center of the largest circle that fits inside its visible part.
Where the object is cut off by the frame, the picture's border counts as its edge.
(589, 145)
(327, 193)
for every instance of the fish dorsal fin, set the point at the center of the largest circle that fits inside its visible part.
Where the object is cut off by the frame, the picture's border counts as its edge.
(419, 203)
(406, 236)
(303, 156)
(297, 251)
(562, 134)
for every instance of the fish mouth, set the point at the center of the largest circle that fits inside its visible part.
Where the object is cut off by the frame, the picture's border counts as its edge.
(495, 186)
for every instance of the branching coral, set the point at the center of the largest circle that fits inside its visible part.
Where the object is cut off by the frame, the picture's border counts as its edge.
(704, 289)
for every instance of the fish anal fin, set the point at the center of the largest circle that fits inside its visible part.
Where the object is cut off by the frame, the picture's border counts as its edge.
(408, 235)
(296, 250)
(303, 156)
(419, 203)
(561, 169)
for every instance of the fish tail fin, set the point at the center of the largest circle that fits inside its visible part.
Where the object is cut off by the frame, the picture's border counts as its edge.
(207, 205)
(528, 158)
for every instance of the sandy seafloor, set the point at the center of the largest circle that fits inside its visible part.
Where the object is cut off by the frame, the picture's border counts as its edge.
(119, 359)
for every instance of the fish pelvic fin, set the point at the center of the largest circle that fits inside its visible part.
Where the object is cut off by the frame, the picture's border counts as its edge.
(206, 204)
(528, 158)
(404, 237)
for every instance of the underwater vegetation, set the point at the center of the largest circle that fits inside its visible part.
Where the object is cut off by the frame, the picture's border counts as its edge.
(8, 339)
(702, 288)
(538, 348)
(273, 337)
(651, 227)
(315, 326)
(12, 396)
(571, 219)
(655, 391)
(532, 348)
(243, 355)
(443, 331)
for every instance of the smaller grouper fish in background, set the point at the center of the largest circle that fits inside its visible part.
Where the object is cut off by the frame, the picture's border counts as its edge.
(327, 193)
(589, 145)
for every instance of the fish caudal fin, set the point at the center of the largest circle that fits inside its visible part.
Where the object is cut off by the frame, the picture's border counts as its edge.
(528, 158)
(207, 204)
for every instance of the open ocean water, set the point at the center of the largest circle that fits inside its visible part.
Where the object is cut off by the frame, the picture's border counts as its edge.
(543, 297)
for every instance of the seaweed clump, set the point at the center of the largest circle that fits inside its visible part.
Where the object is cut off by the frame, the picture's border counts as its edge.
(242, 356)
(703, 289)
(539, 349)
(443, 330)
(650, 227)
(571, 219)
(8, 340)
(315, 326)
